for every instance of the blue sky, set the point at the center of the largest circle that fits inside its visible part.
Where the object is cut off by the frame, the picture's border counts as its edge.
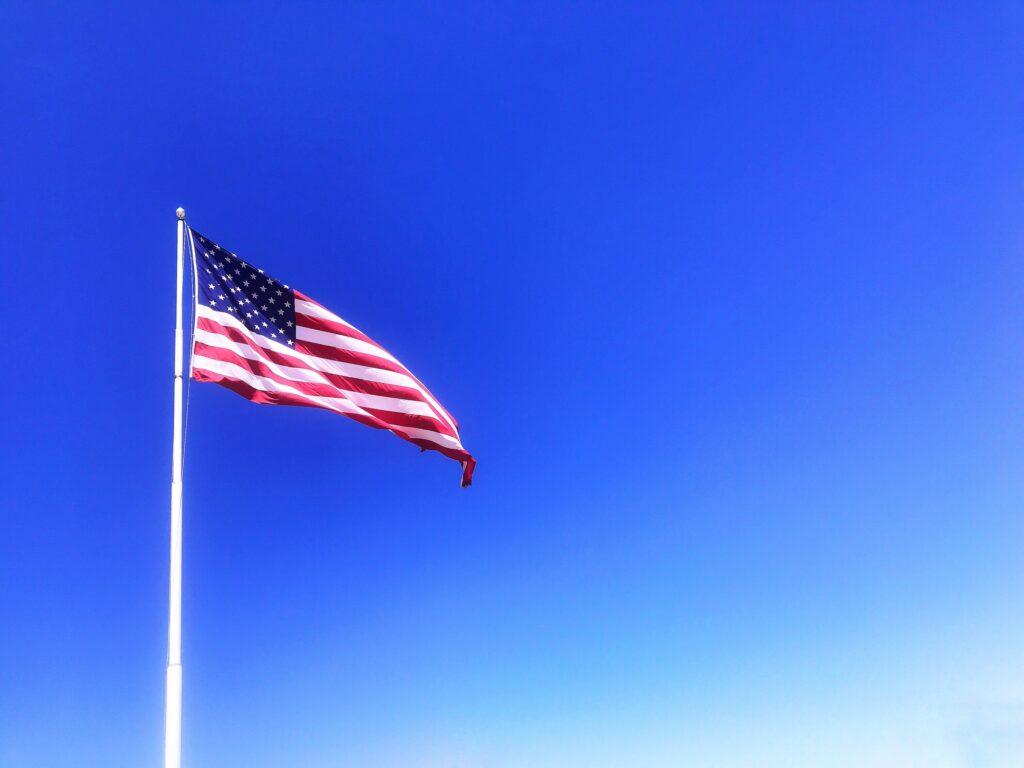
(726, 300)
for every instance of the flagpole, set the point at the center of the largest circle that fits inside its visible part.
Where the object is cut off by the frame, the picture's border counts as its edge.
(172, 722)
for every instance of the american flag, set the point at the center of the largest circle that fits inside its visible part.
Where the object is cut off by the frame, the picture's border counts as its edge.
(272, 344)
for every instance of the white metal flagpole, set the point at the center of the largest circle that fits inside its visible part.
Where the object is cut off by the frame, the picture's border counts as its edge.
(172, 723)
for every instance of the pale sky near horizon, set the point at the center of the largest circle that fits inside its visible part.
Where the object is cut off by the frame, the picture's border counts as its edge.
(725, 297)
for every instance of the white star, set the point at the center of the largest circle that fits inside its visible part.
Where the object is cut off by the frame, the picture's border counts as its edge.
(263, 287)
(280, 311)
(290, 343)
(279, 293)
(287, 303)
(264, 307)
(245, 283)
(289, 323)
(263, 324)
(270, 300)
(211, 286)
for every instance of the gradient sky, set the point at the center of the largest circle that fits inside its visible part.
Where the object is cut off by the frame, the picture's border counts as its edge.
(727, 301)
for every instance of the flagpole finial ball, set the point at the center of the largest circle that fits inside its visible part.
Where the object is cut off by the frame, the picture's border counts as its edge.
(181, 213)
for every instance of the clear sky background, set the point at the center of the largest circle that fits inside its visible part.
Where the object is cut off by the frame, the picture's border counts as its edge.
(727, 301)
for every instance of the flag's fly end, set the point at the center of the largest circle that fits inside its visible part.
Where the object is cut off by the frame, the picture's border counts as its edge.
(467, 472)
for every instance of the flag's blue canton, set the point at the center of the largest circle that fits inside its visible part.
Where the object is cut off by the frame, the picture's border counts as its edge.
(228, 284)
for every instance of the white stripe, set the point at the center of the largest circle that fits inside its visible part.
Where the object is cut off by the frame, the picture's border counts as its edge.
(434, 437)
(226, 318)
(339, 404)
(262, 383)
(341, 342)
(362, 399)
(325, 365)
(394, 404)
(357, 345)
(244, 350)
(352, 370)
(315, 310)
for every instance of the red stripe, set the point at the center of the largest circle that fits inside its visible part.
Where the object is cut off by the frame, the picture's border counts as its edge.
(283, 398)
(324, 324)
(330, 326)
(386, 417)
(328, 352)
(377, 418)
(272, 398)
(336, 380)
(344, 382)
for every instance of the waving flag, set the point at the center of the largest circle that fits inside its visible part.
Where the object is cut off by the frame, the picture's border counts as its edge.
(272, 344)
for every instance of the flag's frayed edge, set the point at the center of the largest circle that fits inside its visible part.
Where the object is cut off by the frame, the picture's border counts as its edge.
(467, 472)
